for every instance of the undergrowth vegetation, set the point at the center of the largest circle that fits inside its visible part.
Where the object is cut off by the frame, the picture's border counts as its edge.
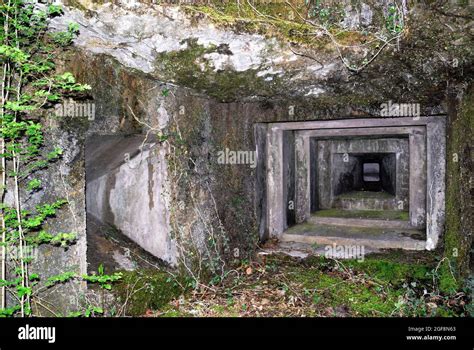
(278, 285)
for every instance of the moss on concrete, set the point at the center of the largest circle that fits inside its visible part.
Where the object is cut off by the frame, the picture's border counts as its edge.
(282, 21)
(189, 67)
(362, 300)
(390, 271)
(143, 290)
(457, 239)
(334, 291)
(365, 195)
(266, 19)
(389, 284)
(364, 214)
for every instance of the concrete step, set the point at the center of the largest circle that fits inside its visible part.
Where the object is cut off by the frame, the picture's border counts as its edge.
(354, 222)
(366, 200)
(303, 250)
(386, 215)
(375, 237)
(365, 204)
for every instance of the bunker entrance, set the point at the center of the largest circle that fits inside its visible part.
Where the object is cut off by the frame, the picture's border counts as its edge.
(366, 181)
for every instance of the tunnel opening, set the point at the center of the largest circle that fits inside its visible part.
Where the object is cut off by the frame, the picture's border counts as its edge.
(365, 175)
(126, 223)
(371, 172)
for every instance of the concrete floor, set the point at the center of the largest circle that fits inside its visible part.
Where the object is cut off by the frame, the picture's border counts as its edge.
(109, 247)
(374, 237)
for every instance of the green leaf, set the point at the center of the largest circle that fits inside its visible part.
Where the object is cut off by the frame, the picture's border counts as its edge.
(60, 278)
(33, 184)
(8, 312)
(23, 291)
(55, 10)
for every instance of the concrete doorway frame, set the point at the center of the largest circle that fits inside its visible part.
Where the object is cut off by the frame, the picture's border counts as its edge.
(427, 135)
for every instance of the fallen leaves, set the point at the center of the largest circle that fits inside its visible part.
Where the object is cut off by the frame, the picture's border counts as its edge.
(272, 290)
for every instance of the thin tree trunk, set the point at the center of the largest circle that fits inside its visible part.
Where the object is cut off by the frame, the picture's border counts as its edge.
(5, 90)
(3, 228)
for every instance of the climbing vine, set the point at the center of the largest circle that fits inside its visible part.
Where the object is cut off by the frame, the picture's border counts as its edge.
(30, 85)
(200, 259)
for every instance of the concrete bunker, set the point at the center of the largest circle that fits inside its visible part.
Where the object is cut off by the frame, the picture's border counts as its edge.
(377, 182)
(343, 176)
(126, 201)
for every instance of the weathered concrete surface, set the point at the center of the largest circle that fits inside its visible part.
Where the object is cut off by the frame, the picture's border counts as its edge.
(110, 248)
(457, 240)
(303, 250)
(346, 202)
(260, 184)
(289, 171)
(131, 36)
(375, 237)
(324, 181)
(302, 178)
(133, 196)
(435, 200)
(349, 222)
(63, 179)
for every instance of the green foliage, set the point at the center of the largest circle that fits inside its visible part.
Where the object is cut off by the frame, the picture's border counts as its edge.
(54, 10)
(30, 85)
(60, 278)
(13, 54)
(43, 237)
(104, 281)
(33, 184)
(323, 13)
(10, 311)
(65, 38)
(88, 312)
(394, 22)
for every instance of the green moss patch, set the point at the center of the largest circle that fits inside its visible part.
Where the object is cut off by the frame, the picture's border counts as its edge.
(329, 289)
(392, 272)
(365, 195)
(282, 21)
(364, 214)
(144, 290)
(189, 67)
(280, 286)
(457, 241)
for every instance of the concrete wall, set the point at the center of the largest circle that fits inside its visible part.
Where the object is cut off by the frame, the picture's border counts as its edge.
(133, 198)
(388, 172)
